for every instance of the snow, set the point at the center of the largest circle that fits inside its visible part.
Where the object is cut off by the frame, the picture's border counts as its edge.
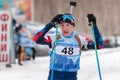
(109, 62)
(109, 59)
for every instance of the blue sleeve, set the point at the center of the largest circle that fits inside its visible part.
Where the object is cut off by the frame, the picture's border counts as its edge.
(39, 36)
(99, 40)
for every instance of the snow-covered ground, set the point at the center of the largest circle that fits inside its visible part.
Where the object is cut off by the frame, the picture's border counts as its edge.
(38, 70)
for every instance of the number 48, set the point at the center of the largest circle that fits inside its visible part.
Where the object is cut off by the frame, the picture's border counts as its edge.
(68, 50)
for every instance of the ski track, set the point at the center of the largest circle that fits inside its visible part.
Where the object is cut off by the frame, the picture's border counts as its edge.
(38, 70)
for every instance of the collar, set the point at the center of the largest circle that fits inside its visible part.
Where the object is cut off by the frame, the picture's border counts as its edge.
(70, 36)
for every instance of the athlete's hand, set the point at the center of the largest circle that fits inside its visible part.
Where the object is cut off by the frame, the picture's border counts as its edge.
(91, 18)
(57, 19)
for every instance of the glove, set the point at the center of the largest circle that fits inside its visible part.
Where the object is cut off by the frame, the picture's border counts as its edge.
(91, 18)
(57, 19)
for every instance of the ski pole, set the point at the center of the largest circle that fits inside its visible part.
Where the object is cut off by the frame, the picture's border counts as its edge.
(53, 53)
(95, 45)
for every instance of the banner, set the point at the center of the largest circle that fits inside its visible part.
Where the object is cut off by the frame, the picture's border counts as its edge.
(5, 45)
(23, 10)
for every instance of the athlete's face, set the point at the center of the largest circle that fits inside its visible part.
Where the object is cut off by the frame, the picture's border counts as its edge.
(66, 29)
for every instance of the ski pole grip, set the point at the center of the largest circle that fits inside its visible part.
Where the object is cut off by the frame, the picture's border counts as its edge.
(91, 23)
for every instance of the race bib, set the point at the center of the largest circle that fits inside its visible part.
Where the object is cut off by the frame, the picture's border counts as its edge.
(68, 50)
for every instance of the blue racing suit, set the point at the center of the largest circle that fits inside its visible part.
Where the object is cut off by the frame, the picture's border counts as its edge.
(67, 55)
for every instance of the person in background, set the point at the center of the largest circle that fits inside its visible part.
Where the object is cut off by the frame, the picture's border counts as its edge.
(26, 45)
(65, 61)
(21, 49)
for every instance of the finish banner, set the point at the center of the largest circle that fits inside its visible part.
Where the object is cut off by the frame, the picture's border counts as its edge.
(5, 28)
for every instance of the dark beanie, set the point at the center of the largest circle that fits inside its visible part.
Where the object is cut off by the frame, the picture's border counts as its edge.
(68, 18)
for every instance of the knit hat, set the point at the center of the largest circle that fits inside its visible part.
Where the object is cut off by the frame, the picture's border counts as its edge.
(68, 18)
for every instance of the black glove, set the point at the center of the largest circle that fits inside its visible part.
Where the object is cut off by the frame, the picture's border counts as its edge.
(57, 19)
(91, 18)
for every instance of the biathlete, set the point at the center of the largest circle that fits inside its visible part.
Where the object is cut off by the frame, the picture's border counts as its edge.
(68, 46)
